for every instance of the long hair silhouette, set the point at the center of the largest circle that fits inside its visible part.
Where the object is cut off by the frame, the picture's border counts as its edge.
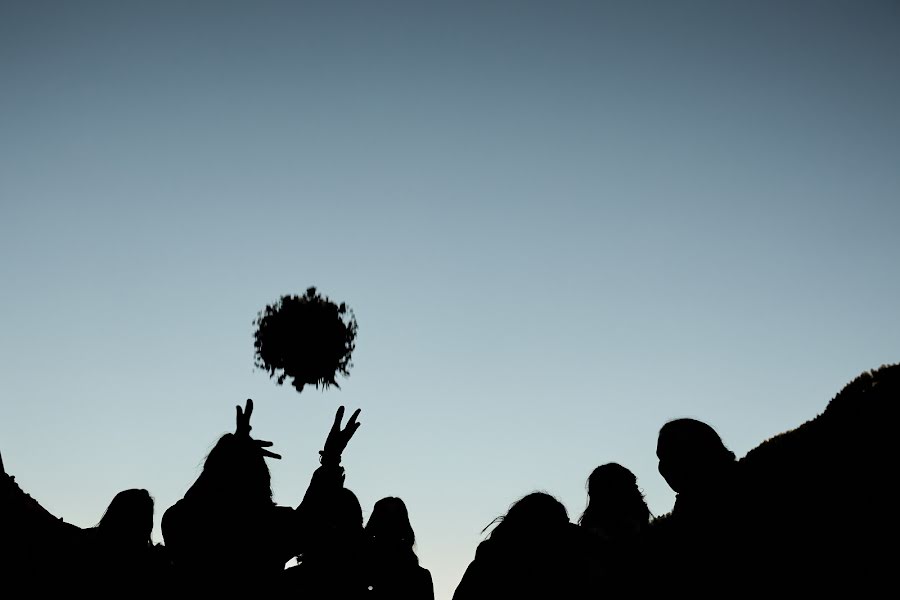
(616, 507)
(395, 572)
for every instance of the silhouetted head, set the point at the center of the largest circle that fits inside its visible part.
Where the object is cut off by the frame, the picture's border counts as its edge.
(389, 523)
(691, 455)
(347, 512)
(128, 519)
(235, 471)
(536, 517)
(339, 529)
(616, 506)
(391, 533)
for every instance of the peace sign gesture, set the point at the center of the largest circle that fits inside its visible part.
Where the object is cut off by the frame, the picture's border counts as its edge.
(242, 429)
(338, 438)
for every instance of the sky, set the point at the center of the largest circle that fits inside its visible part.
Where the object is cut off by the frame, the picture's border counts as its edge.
(558, 224)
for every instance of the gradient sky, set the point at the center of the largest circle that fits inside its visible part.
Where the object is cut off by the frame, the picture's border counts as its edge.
(559, 224)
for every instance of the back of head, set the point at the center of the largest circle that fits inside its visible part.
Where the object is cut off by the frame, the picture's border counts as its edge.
(128, 519)
(389, 523)
(338, 531)
(348, 512)
(235, 472)
(611, 479)
(535, 518)
(533, 552)
(616, 506)
(340, 526)
(691, 455)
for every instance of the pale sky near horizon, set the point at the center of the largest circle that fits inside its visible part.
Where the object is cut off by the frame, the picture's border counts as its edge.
(559, 225)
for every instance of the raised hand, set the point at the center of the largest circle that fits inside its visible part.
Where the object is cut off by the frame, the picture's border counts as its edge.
(242, 429)
(338, 438)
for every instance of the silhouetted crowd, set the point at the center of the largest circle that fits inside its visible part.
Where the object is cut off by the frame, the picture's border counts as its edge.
(226, 537)
(736, 529)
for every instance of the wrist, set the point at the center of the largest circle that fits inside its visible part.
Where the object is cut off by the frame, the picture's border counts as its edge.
(329, 459)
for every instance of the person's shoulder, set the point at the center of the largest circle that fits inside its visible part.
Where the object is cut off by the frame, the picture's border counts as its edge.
(485, 548)
(173, 516)
(425, 584)
(174, 510)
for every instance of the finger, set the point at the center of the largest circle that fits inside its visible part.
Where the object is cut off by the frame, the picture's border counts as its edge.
(353, 417)
(338, 417)
(243, 422)
(249, 409)
(262, 445)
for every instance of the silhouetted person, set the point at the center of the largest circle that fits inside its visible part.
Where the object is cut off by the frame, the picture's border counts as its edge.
(121, 557)
(533, 552)
(616, 508)
(614, 522)
(227, 535)
(394, 570)
(46, 554)
(701, 546)
(333, 563)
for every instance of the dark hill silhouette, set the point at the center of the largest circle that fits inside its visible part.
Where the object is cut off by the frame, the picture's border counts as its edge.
(819, 489)
(851, 424)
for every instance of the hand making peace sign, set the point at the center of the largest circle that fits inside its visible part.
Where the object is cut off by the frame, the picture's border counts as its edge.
(242, 429)
(338, 438)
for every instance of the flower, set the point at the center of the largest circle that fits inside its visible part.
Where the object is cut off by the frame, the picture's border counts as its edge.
(307, 338)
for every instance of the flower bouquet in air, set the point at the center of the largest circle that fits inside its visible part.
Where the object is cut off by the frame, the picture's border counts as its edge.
(307, 338)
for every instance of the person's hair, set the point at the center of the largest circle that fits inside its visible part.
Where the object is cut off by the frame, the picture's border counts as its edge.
(616, 504)
(129, 517)
(338, 530)
(696, 440)
(534, 515)
(391, 532)
(235, 469)
(692, 457)
(348, 513)
(389, 523)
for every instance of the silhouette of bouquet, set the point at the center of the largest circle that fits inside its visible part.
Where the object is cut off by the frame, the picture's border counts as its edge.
(308, 338)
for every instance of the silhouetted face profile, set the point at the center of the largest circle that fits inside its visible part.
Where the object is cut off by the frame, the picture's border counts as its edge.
(691, 455)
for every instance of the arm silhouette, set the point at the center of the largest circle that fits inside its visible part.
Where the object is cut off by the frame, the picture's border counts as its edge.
(26, 521)
(327, 480)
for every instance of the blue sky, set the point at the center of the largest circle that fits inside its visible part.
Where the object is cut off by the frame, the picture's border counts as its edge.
(559, 225)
